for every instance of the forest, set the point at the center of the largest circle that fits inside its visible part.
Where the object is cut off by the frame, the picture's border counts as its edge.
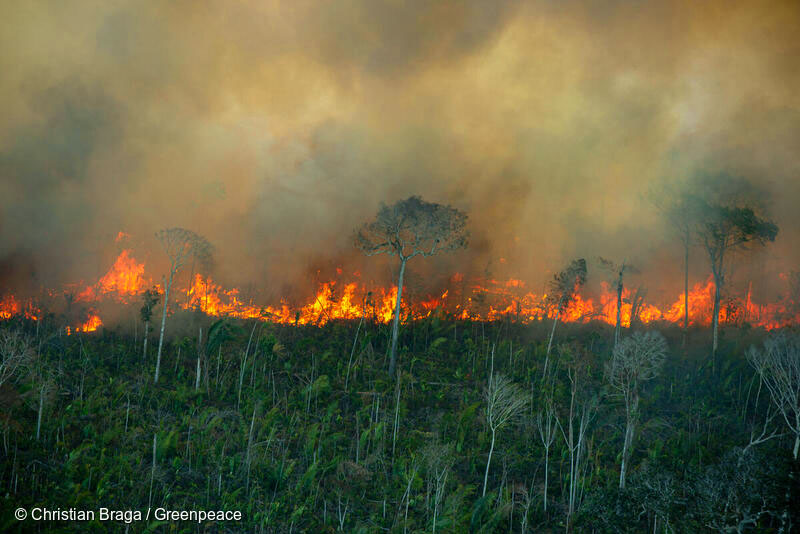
(302, 429)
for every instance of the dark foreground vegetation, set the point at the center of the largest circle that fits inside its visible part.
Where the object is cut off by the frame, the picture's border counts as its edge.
(301, 429)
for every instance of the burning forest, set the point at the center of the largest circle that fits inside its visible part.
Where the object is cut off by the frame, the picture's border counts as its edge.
(400, 267)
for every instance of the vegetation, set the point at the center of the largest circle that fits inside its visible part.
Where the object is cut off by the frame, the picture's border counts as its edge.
(299, 440)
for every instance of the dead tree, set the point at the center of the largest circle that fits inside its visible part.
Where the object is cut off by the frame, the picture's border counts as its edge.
(563, 288)
(408, 228)
(574, 430)
(504, 402)
(16, 354)
(778, 366)
(722, 229)
(636, 359)
(619, 270)
(180, 245)
(439, 460)
(682, 211)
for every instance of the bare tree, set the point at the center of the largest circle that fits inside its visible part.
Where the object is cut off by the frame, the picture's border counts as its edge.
(619, 270)
(778, 365)
(439, 460)
(636, 359)
(180, 245)
(575, 436)
(723, 228)
(682, 212)
(504, 402)
(563, 289)
(408, 228)
(546, 425)
(16, 354)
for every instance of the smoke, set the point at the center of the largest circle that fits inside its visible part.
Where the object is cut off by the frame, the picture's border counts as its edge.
(274, 129)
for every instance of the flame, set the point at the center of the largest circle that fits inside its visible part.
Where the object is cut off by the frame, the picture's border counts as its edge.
(473, 299)
(123, 280)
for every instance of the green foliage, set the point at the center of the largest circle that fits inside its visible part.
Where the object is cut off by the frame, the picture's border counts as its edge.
(315, 448)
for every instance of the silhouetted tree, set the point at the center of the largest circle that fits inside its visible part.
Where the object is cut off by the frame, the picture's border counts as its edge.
(682, 211)
(563, 289)
(722, 229)
(408, 228)
(619, 270)
(180, 245)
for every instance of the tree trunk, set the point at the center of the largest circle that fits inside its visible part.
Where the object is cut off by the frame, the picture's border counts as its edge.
(619, 310)
(488, 461)
(796, 446)
(550, 343)
(396, 325)
(626, 451)
(163, 324)
(144, 352)
(686, 290)
(546, 462)
(715, 320)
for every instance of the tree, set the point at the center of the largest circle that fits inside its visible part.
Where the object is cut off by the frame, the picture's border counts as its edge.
(504, 402)
(439, 460)
(619, 270)
(563, 288)
(635, 359)
(778, 366)
(575, 435)
(682, 212)
(180, 245)
(149, 300)
(723, 228)
(408, 228)
(16, 354)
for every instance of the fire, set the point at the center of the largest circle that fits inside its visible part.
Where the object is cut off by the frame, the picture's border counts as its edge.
(92, 323)
(464, 299)
(123, 280)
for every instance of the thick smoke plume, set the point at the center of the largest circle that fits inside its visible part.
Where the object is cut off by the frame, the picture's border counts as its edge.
(276, 128)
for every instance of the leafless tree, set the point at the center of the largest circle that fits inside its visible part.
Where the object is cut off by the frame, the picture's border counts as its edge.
(636, 359)
(619, 270)
(723, 228)
(682, 212)
(546, 425)
(16, 354)
(408, 228)
(505, 401)
(180, 245)
(563, 289)
(778, 365)
(438, 460)
(574, 430)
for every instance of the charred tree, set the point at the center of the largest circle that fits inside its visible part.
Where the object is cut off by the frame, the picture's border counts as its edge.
(619, 270)
(408, 228)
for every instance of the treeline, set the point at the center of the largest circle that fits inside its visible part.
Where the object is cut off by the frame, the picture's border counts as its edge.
(302, 429)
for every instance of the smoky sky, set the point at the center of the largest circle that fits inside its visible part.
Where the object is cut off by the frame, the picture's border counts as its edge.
(276, 128)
